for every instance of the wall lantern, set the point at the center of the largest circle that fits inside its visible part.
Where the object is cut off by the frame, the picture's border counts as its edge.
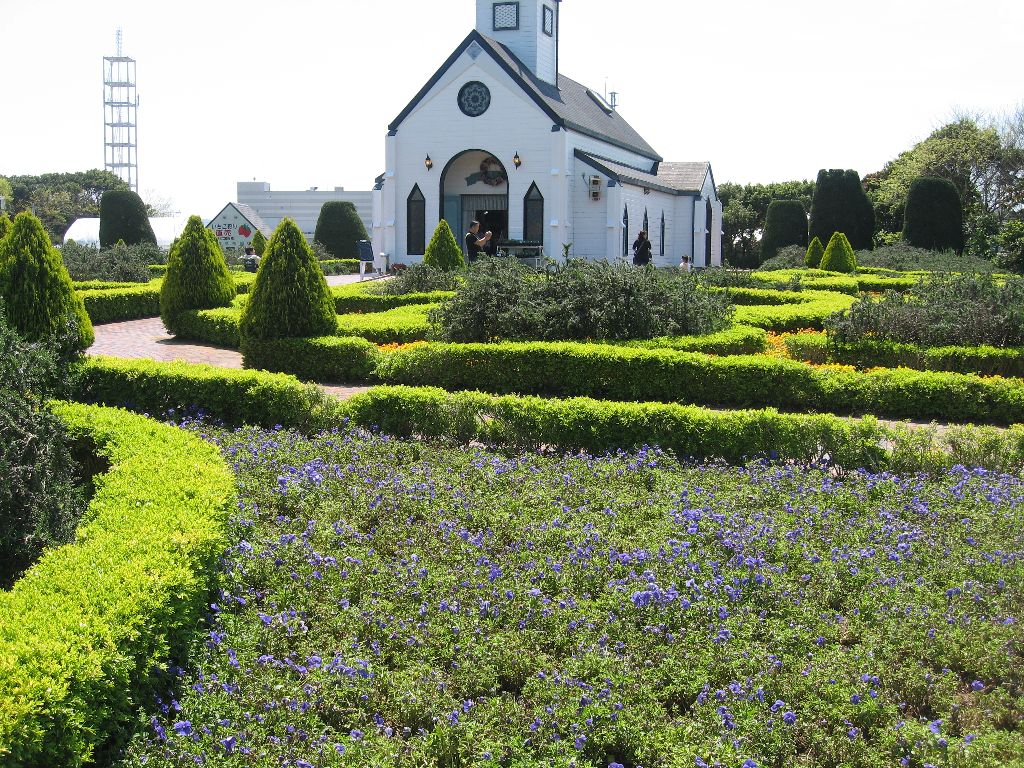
(517, 160)
(428, 163)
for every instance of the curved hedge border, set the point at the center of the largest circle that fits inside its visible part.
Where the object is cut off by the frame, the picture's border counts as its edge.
(812, 279)
(811, 312)
(399, 325)
(340, 266)
(618, 373)
(529, 423)
(81, 631)
(120, 304)
(356, 297)
(869, 353)
(236, 397)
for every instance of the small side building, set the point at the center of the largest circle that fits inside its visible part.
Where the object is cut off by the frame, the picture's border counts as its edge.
(236, 225)
(302, 207)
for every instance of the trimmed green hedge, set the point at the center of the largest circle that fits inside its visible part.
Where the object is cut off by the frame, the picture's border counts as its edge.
(157, 270)
(738, 340)
(810, 313)
(325, 359)
(340, 266)
(102, 285)
(401, 324)
(981, 360)
(357, 297)
(119, 304)
(879, 283)
(617, 373)
(82, 630)
(530, 423)
(214, 326)
(811, 279)
(236, 397)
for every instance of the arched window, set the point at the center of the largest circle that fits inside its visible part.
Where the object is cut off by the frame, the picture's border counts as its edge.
(625, 231)
(533, 215)
(662, 247)
(416, 223)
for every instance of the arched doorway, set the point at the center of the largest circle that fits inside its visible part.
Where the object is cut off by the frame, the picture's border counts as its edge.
(474, 186)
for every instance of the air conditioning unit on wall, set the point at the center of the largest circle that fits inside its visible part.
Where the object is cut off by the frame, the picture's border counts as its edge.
(596, 183)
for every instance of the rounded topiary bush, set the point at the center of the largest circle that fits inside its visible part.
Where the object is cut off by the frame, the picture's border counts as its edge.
(36, 289)
(444, 252)
(839, 255)
(197, 276)
(259, 243)
(934, 216)
(290, 297)
(812, 260)
(123, 216)
(785, 224)
(339, 229)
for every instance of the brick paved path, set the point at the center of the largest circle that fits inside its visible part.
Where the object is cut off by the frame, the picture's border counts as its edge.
(150, 340)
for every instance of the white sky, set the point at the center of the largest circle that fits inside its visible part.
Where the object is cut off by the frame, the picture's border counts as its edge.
(300, 93)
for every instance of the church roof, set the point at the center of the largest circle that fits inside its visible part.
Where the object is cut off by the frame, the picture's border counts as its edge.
(571, 105)
(674, 178)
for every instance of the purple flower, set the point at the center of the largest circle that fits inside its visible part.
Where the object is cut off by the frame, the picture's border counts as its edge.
(789, 718)
(935, 726)
(977, 685)
(183, 728)
(229, 744)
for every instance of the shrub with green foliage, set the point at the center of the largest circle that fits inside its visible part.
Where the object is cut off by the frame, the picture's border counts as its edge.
(617, 373)
(5, 225)
(40, 502)
(361, 297)
(119, 304)
(259, 243)
(290, 297)
(399, 325)
(812, 259)
(502, 299)
(1011, 246)
(36, 289)
(444, 252)
(420, 278)
(197, 276)
(785, 224)
(326, 359)
(940, 310)
(839, 256)
(934, 216)
(85, 632)
(340, 266)
(339, 229)
(123, 216)
(120, 263)
(236, 397)
(841, 205)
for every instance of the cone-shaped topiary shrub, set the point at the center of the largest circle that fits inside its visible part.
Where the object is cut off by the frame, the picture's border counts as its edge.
(339, 228)
(290, 297)
(5, 225)
(259, 243)
(444, 252)
(814, 253)
(123, 216)
(197, 276)
(934, 217)
(36, 290)
(839, 256)
(785, 224)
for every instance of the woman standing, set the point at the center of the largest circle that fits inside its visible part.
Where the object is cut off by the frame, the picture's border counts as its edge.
(642, 250)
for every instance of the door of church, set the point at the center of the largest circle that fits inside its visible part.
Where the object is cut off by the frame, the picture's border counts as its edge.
(492, 213)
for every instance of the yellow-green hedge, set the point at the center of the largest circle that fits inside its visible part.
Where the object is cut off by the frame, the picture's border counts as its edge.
(82, 629)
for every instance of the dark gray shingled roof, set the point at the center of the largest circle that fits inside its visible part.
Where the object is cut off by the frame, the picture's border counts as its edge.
(254, 218)
(569, 105)
(674, 178)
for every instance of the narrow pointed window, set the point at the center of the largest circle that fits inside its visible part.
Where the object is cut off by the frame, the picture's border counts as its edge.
(625, 231)
(416, 223)
(533, 216)
(662, 247)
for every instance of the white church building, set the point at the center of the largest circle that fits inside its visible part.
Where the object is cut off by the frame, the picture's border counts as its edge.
(499, 135)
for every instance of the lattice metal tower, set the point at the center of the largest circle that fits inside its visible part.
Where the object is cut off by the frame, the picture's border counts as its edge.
(120, 117)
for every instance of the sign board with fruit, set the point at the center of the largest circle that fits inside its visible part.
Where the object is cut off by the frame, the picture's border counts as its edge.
(232, 229)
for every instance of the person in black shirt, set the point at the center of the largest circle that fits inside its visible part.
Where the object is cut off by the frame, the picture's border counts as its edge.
(642, 250)
(475, 243)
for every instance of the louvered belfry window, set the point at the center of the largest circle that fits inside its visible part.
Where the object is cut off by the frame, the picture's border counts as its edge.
(506, 16)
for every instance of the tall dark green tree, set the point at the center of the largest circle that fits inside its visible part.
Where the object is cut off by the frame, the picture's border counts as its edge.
(123, 216)
(197, 275)
(934, 217)
(57, 199)
(339, 228)
(36, 290)
(745, 213)
(290, 297)
(841, 205)
(785, 224)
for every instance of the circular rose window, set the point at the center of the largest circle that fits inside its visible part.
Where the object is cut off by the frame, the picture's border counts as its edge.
(474, 99)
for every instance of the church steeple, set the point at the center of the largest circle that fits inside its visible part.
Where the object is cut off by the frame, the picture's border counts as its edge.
(529, 28)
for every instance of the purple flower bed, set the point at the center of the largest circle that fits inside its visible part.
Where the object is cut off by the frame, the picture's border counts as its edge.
(388, 603)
